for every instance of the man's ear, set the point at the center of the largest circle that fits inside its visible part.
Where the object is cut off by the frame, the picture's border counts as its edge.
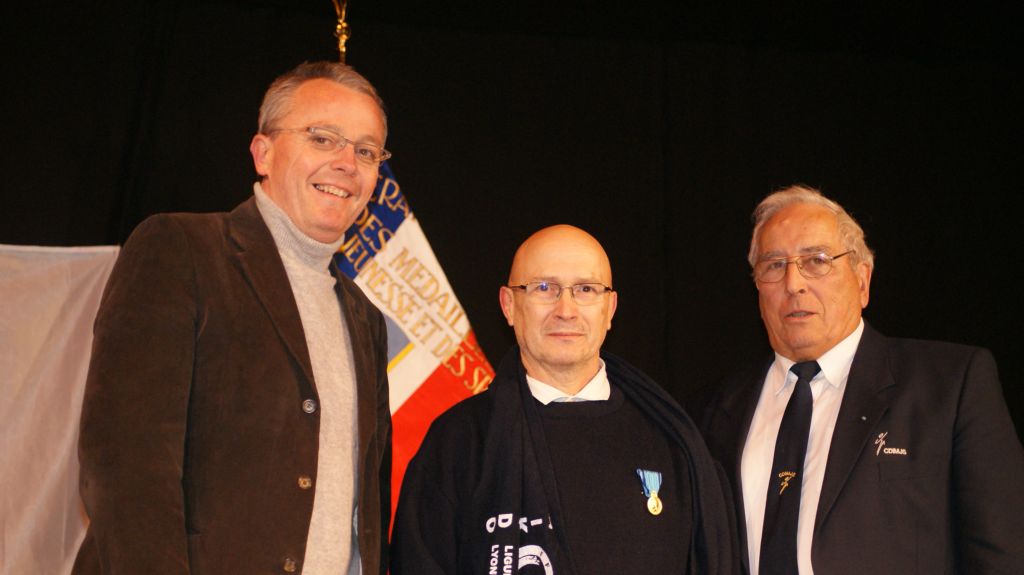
(261, 149)
(507, 303)
(613, 305)
(864, 283)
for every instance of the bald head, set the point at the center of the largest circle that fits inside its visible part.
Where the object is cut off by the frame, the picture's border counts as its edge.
(558, 248)
(560, 341)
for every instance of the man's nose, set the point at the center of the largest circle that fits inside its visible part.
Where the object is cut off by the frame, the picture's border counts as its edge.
(344, 158)
(795, 280)
(565, 305)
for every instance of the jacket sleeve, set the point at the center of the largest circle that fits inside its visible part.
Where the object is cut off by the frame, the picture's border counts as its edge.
(425, 537)
(988, 475)
(134, 412)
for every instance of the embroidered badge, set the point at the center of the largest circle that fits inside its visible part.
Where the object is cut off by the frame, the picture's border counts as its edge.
(651, 481)
(883, 450)
(880, 442)
(786, 477)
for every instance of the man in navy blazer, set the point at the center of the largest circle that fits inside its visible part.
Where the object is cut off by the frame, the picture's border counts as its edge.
(912, 463)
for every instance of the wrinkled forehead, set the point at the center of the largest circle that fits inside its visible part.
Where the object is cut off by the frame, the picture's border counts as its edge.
(799, 228)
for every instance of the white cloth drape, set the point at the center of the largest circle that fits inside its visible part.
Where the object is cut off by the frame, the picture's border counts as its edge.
(48, 301)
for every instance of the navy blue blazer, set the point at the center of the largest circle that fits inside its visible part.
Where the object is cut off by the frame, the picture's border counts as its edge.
(945, 494)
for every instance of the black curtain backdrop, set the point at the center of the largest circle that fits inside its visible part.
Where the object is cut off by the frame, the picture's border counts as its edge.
(657, 128)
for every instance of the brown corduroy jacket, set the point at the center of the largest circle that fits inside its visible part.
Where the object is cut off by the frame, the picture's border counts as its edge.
(200, 422)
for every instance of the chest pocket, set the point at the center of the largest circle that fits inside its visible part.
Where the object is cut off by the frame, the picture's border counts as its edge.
(895, 468)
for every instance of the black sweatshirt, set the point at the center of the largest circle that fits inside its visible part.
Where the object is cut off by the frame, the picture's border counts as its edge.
(482, 495)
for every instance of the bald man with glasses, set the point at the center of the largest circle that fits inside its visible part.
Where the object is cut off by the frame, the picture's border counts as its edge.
(573, 461)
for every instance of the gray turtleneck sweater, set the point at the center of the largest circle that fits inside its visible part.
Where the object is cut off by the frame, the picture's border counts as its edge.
(331, 547)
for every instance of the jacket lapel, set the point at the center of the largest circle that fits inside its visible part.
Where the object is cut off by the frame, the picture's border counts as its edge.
(869, 390)
(360, 335)
(738, 402)
(261, 264)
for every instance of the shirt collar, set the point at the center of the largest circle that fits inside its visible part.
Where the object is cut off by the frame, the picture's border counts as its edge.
(597, 389)
(835, 363)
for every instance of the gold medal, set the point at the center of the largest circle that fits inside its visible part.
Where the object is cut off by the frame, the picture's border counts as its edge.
(651, 480)
(654, 504)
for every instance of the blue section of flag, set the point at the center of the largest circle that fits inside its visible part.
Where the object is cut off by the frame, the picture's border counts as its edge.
(384, 213)
(397, 340)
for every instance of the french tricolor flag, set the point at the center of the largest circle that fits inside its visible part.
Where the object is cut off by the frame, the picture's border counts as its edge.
(433, 358)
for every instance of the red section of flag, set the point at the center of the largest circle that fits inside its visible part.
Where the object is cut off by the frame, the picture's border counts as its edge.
(464, 373)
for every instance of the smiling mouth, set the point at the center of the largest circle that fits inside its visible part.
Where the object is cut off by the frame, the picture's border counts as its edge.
(800, 314)
(334, 191)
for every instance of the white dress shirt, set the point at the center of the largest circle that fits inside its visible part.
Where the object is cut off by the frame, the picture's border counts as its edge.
(827, 389)
(597, 389)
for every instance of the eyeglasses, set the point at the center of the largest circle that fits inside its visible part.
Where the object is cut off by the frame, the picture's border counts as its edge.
(550, 292)
(810, 265)
(327, 140)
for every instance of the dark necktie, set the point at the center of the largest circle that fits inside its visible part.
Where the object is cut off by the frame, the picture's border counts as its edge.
(782, 509)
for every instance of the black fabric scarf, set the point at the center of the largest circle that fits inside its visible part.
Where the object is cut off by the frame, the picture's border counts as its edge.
(518, 477)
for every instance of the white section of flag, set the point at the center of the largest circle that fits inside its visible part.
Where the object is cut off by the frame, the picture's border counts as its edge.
(405, 281)
(407, 375)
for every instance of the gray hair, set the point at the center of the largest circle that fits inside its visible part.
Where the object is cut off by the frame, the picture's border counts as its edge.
(278, 99)
(850, 232)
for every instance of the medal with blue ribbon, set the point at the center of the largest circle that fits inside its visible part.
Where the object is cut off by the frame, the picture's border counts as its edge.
(651, 480)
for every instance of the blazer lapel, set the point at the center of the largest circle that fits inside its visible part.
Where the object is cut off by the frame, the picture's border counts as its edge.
(261, 264)
(739, 406)
(360, 338)
(868, 394)
(738, 403)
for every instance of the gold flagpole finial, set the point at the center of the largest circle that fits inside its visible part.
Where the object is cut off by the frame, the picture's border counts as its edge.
(341, 30)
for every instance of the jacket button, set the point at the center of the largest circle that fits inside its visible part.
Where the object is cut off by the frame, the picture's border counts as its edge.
(289, 565)
(309, 406)
(305, 482)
